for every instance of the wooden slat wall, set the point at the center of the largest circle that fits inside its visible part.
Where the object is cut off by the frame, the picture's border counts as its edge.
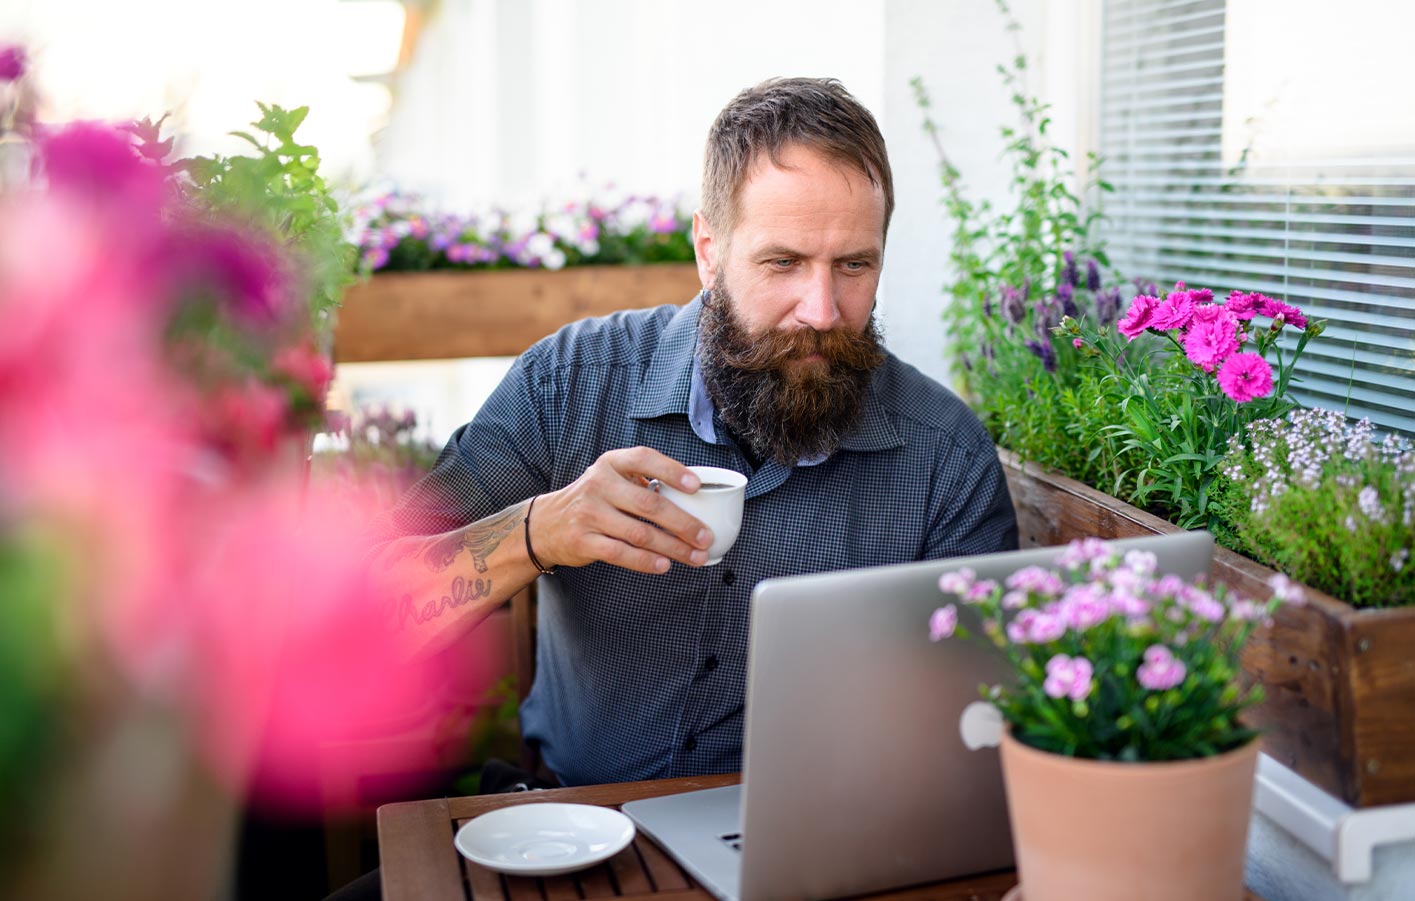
(442, 315)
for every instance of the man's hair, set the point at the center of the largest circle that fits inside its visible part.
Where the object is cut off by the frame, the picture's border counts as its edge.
(780, 112)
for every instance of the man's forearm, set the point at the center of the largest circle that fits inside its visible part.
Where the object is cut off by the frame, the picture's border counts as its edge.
(440, 586)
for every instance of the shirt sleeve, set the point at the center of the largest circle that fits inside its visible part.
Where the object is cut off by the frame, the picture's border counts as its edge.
(977, 516)
(501, 457)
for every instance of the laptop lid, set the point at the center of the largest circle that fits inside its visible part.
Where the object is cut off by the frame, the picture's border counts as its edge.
(857, 773)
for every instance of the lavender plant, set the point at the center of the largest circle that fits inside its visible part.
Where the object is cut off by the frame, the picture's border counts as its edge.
(1113, 661)
(1324, 501)
(1016, 273)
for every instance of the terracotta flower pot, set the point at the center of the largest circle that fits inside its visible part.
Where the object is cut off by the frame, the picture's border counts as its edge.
(1107, 831)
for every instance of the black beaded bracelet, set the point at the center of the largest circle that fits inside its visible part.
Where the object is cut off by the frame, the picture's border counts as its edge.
(530, 553)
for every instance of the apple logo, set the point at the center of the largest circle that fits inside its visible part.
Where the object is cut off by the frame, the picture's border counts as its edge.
(980, 726)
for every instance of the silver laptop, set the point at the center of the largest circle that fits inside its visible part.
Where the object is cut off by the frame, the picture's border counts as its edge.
(869, 760)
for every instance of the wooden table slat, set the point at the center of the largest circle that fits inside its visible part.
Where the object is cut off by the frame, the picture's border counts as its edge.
(426, 869)
(522, 888)
(665, 873)
(560, 888)
(485, 884)
(596, 882)
(629, 873)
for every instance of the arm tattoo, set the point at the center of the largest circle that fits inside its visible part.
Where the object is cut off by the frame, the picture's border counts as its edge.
(481, 538)
(463, 591)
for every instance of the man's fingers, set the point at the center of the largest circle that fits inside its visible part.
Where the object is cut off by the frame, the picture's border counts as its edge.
(645, 462)
(644, 503)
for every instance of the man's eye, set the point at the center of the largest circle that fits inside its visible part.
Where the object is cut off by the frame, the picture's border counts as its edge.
(856, 265)
(783, 263)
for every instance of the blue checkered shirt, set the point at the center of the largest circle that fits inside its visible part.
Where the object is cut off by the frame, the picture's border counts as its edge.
(642, 676)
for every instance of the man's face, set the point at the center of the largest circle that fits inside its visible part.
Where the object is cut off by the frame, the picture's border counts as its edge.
(787, 339)
(806, 249)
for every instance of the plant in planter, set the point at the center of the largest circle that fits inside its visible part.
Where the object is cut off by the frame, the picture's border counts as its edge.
(396, 233)
(1125, 760)
(1320, 499)
(1016, 272)
(1177, 401)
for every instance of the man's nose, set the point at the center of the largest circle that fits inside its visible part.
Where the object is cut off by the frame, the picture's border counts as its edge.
(817, 306)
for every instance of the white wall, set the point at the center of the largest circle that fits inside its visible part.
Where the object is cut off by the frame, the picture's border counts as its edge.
(510, 100)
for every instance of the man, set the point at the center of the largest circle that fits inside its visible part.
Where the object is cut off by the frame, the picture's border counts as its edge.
(854, 458)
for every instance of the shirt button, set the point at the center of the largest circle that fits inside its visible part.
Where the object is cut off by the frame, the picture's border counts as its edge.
(710, 663)
(727, 576)
(689, 744)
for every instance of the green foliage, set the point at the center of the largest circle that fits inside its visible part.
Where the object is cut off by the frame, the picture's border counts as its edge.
(1319, 499)
(1022, 259)
(279, 188)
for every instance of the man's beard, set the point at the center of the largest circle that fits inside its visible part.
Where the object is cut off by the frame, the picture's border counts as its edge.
(780, 405)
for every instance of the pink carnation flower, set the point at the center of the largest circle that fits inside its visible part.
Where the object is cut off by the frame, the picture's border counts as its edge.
(1175, 311)
(1037, 580)
(12, 63)
(1068, 677)
(1161, 670)
(1275, 308)
(1208, 343)
(956, 582)
(1245, 377)
(1137, 318)
(943, 622)
(1242, 306)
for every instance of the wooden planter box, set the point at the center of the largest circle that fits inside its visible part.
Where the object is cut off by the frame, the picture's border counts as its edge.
(1340, 682)
(438, 315)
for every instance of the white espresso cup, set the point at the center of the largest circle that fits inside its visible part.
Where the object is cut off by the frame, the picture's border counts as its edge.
(717, 502)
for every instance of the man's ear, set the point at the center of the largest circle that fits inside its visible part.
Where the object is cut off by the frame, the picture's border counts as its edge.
(706, 247)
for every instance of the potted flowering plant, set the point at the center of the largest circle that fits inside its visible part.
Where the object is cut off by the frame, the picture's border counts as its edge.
(1125, 701)
(493, 283)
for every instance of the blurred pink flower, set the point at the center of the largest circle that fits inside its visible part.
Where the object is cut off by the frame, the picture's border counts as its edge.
(13, 62)
(97, 164)
(1245, 377)
(1275, 308)
(1161, 670)
(1068, 677)
(247, 418)
(243, 271)
(306, 367)
(943, 622)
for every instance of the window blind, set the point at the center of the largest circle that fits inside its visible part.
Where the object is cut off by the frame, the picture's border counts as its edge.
(1333, 234)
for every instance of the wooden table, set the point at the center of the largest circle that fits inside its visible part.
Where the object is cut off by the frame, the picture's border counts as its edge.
(419, 862)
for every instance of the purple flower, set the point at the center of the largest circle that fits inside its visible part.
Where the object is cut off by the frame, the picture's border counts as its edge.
(1066, 295)
(1069, 278)
(1044, 352)
(1068, 677)
(1012, 305)
(1107, 305)
(1093, 276)
(1208, 342)
(1138, 317)
(94, 161)
(1245, 377)
(13, 62)
(1161, 670)
(375, 258)
(245, 271)
(979, 591)
(943, 622)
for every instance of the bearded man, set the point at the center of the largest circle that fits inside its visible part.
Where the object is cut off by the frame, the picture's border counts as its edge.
(776, 370)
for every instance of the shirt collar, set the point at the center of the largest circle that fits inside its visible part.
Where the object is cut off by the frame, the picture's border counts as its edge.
(674, 384)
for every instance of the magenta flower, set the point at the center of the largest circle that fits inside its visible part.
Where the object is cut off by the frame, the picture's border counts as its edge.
(1245, 377)
(1286, 590)
(979, 591)
(1161, 670)
(13, 63)
(1084, 606)
(1068, 677)
(1208, 343)
(1175, 311)
(99, 165)
(943, 622)
(1082, 552)
(1275, 308)
(1138, 317)
(1241, 305)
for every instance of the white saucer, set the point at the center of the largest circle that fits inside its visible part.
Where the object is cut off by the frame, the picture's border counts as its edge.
(544, 839)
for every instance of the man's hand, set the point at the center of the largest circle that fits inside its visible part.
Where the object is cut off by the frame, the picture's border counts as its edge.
(600, 516)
